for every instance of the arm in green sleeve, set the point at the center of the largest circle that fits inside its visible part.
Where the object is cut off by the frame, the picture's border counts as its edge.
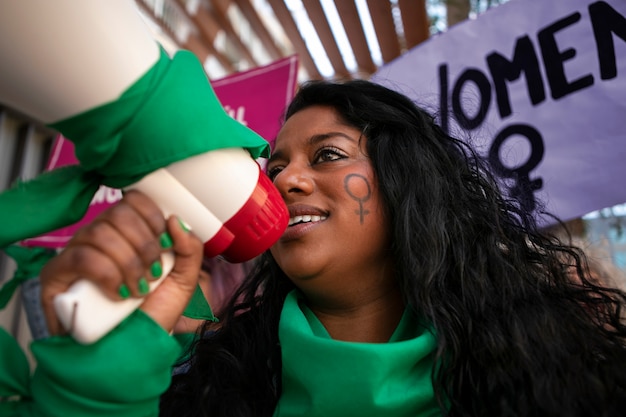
(123, 374)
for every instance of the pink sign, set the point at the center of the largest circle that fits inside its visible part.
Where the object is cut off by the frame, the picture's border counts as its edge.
(63, 154)
(256, 98)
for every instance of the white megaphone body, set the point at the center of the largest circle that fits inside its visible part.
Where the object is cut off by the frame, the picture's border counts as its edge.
(232, 207)
(223, 195)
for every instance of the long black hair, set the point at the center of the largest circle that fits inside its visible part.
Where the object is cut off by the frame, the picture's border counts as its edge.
(517, 334)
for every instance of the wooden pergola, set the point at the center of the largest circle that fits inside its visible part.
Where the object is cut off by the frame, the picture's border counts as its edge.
(399, 26)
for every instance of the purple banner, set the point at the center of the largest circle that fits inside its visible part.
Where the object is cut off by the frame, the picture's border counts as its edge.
(539, 86)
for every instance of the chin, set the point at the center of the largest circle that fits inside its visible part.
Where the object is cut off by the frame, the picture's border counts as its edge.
(298, 275)
(298, 265)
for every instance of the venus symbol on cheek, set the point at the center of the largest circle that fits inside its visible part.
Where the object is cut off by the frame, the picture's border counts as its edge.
(358, 188)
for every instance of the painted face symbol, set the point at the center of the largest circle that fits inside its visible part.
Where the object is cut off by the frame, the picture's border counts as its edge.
(358, 188)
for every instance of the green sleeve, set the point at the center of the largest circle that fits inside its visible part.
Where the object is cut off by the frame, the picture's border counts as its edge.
(167, 115)
(123, 374)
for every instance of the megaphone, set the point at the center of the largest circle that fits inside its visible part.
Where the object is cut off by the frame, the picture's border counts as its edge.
(232, 207)
(221, 193)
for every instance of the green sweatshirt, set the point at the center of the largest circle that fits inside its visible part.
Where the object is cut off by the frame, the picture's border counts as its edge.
(123, 374)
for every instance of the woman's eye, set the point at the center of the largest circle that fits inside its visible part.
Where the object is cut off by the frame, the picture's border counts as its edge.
(328, 154)
(272, 172)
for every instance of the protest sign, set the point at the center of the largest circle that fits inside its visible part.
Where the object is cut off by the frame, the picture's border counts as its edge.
(62, 154)
(539, 86)
(258, 97)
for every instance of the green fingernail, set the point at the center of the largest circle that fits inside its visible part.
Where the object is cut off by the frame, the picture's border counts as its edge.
(144, 288)
(156, 269)
(166, 240)
(183, 225)
(123, 291)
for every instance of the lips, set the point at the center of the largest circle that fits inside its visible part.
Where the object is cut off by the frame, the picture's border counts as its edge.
(302, 219)
(299, 214)
(307, 218)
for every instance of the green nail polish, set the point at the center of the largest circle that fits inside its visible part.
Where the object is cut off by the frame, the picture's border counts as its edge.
(123, 291)
(183, 225)
(144, 288)
(166, 240)
(156, 269)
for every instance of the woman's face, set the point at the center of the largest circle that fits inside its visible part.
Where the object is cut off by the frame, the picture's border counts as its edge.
(337, 230)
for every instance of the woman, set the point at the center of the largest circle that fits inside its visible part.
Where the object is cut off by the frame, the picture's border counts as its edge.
(405, 285)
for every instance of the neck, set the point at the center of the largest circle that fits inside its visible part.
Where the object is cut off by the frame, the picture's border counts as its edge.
(362, 318)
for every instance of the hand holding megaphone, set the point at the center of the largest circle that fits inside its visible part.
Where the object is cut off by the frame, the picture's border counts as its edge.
(231, 206)
(139, 119)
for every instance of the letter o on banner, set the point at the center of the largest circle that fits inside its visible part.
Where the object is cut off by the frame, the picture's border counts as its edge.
(484, 88)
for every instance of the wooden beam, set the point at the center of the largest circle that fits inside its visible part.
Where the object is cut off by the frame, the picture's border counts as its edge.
(218, 11)
(380, 11)
(289, 25)
(415, 21)
(191, 44)
(158, 21)
(457, 11)
(206, 23)
(198, 47)
(261, 30)
(354, 30)
(316, 13)
(206, 28)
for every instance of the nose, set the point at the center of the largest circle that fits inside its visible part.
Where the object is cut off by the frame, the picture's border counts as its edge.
(294, 179)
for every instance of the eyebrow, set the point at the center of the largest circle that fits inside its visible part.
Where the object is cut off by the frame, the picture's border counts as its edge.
(314, 140)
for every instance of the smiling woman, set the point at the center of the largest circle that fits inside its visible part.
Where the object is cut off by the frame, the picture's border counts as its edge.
(321, 167)
(405, 285)
(439, 264)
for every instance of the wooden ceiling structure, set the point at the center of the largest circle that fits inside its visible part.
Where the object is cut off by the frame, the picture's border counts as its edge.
(399, 25)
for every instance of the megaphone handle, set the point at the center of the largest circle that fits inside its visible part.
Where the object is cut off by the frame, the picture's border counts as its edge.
(88, 314)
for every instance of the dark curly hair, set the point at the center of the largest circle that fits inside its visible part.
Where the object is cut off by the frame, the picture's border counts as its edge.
(517, 336)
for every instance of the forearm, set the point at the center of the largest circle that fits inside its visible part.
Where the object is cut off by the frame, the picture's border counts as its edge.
(123, 374)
